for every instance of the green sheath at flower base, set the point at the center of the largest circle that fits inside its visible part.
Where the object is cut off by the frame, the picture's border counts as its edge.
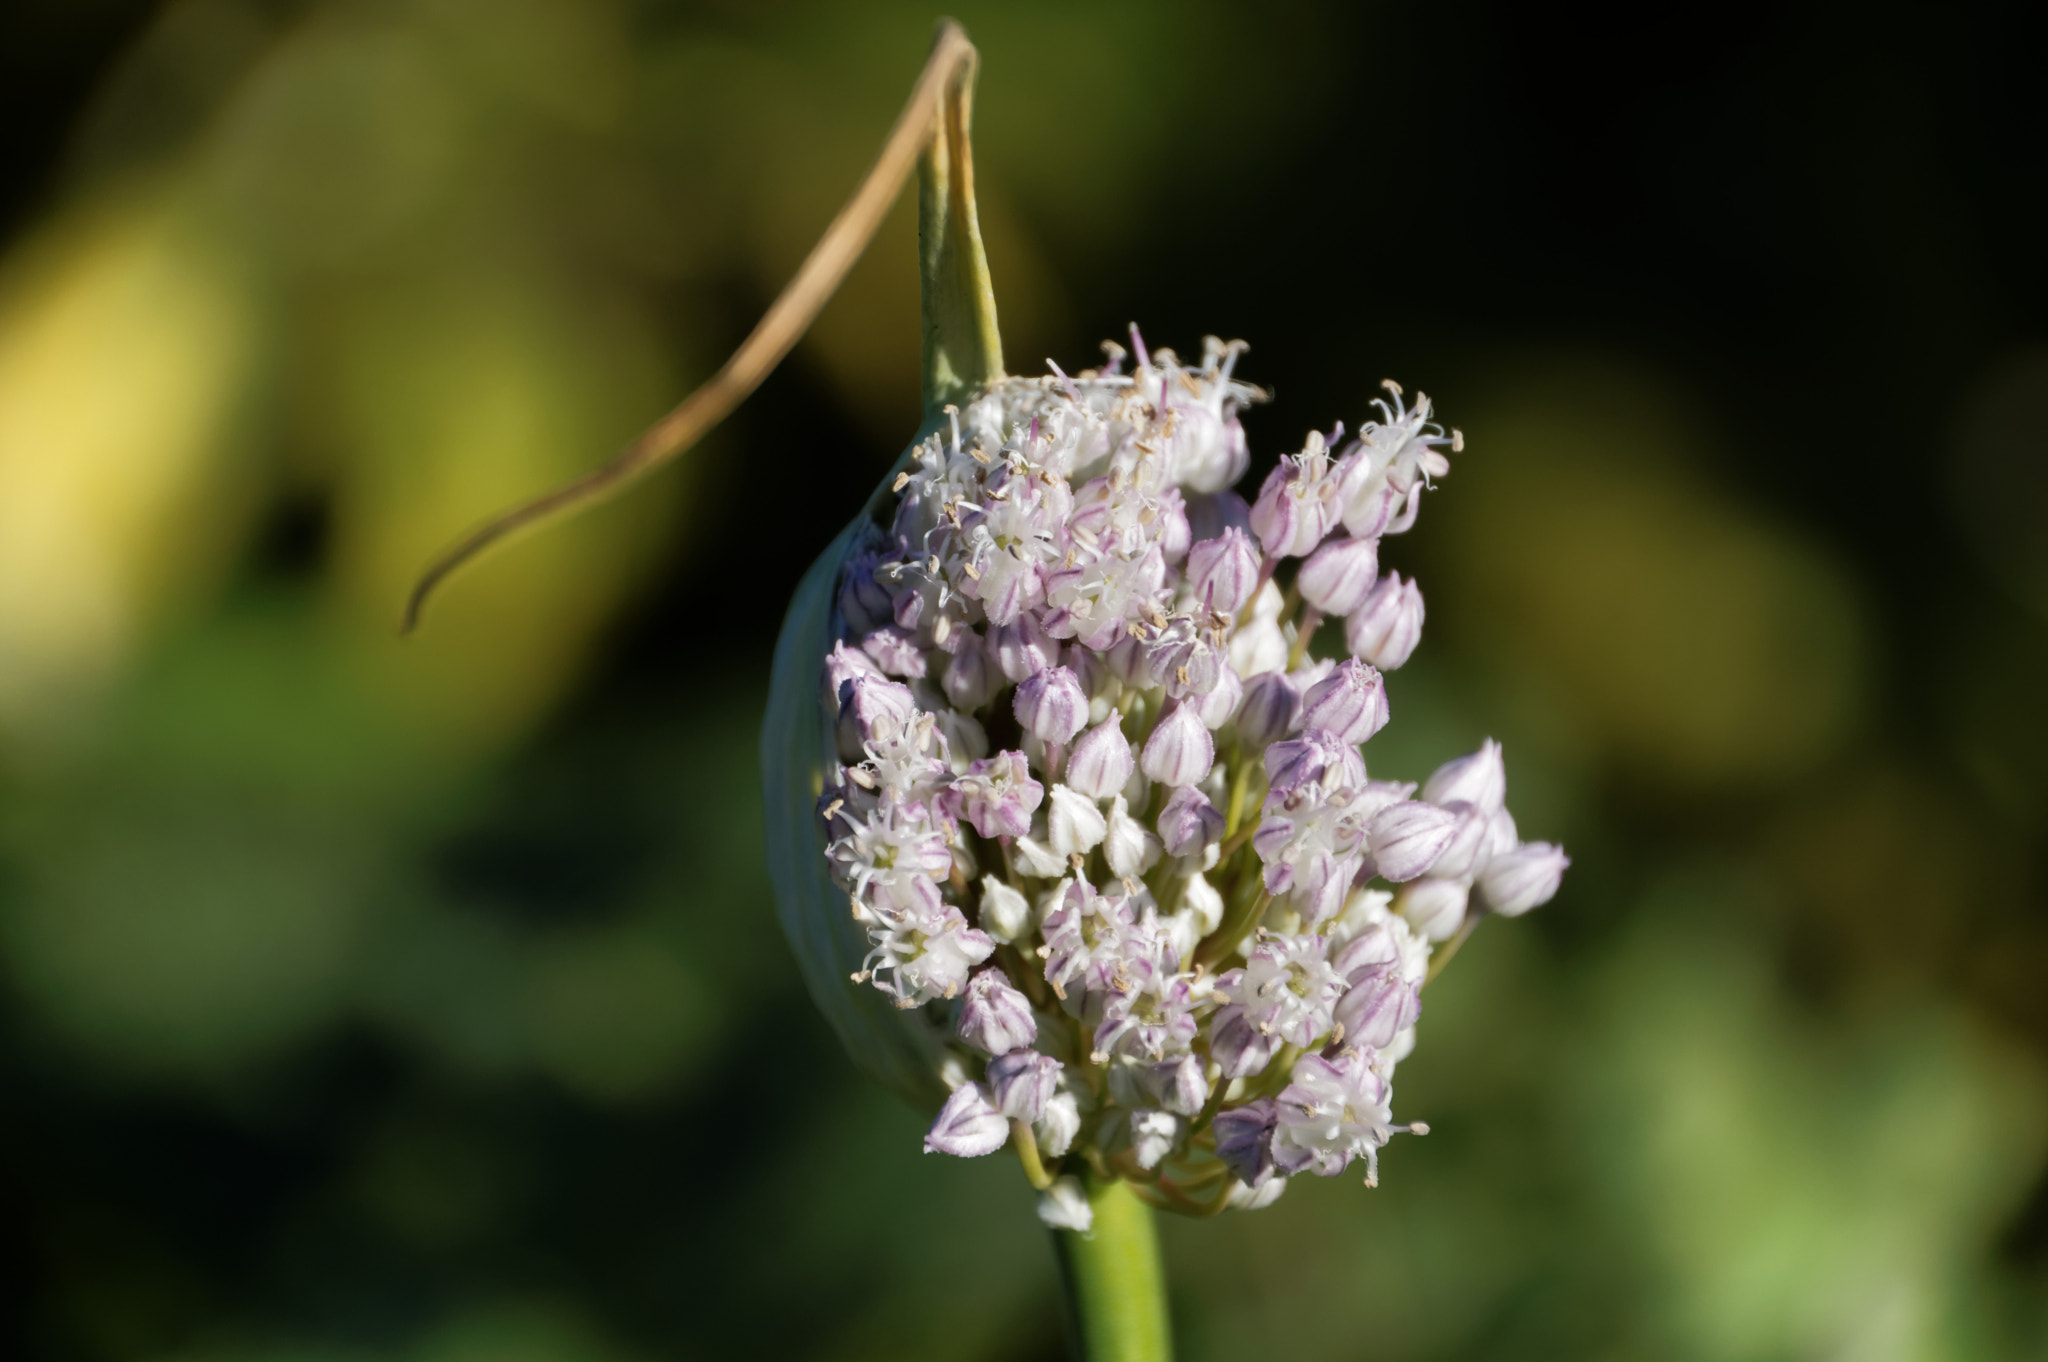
(962, 351)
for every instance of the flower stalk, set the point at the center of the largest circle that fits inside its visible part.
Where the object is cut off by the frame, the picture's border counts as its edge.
(1115, 1282)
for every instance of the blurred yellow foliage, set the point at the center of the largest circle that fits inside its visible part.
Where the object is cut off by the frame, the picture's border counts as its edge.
(128, 340)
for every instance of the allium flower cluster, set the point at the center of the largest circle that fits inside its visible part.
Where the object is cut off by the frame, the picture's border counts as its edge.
(1099, 804)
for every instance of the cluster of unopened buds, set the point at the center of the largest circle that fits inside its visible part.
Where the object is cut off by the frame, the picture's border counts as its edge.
(1100, 809)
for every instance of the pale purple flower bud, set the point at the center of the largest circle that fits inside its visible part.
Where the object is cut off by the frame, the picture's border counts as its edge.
(969, 679)
(1223, 573)
(1480, 779)
(895, 651)
(1239, 1047)
(1189, 822)
(1091, 670)
(1269, 710)
(1125, 659)
(1005, 913)
(1406, 838)
(864, 602)
(1351, 702)
(1220, 704)
(1180, 750)
(1051, 705)
(1129, 847)
(1259, 644)
(1387, 624)
(1298, 503)
(1170, 527)
(1022, 1082)
(1154, 1133)
(995, 1017)
(1385, 968)
(1059, 1125)
(1201, 905)
(872, 710)
(1024, 648)
(1178, 1085)
(1501, 837)
(1314, 756)
(842, 664)
(1467, 851)
(1101, 762)
(1370, 512)
(1525, 878)
(968, 1125)
(1243, 1198)
(1074, 823)
(1337, 576)
(1244, 1140)
(1434, 908)
(1038, 860)
(997, 795)
(1065, 1205)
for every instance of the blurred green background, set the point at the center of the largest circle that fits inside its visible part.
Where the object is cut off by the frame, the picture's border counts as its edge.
(364, 1000)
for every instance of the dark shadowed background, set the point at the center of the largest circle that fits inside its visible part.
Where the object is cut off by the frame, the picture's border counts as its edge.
(362, 1000)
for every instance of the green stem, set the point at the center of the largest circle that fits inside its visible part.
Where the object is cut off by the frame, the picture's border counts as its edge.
(1116, 1287)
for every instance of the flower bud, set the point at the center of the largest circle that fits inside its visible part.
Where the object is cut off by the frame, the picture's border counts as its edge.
(1435, 909)
(1268, 712)
(895, 651)
(1525, 878)
(1480, 779)
(1240, 1048)
(1074, 824)
(871, 710)
(1315, 755)
(1406, 838)
(1064, 1205)
(1059, 1125)
(1387, 624)
(1091, 670)
(1005, 913)
(1200, 902)
(995, 1017)
(1337, 577)
(1298, 503)
(1351, 702)
(1023, 648)
(1217, 707)
(970, 680)
(1244, 1140)
(1051, 705)
(1178, 1085)
(1467, 850)
(1222, 573)
(1154, 1133)
(862, 600)
(1101, 762)
(1378, 1007)
(1172, 526)
(1022, 1083)
(1189, 822)
(842, 664)
(1244, 1198)
(1129, 847)
(1180, 750)
(967, 1126)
